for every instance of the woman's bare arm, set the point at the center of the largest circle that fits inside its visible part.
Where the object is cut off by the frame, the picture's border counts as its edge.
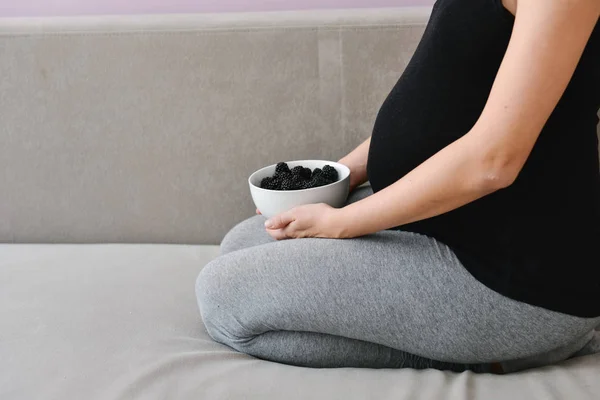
(357, 162)
(548, 39)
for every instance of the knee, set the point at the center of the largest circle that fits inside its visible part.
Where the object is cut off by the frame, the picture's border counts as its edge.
(215, 293)
(210, 296)
(230, 243)
(237, 237)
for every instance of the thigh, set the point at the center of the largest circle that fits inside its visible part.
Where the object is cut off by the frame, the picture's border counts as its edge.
(248, 233)
(397, 289)
(252, 232)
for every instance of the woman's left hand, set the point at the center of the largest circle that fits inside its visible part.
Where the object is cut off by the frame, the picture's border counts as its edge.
(308, 221)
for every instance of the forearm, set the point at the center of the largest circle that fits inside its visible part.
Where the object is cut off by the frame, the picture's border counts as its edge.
(357, 162)
(450, 179)
(527, 87)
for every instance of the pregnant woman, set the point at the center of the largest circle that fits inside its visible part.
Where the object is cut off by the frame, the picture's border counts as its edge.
(478, 247)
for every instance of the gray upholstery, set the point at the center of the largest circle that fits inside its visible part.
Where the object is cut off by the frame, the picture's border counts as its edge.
(120, 322)
(144, 129)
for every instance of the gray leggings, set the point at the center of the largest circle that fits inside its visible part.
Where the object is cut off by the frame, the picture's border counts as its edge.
(387, 300)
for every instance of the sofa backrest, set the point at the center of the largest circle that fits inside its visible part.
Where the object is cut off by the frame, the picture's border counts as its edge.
(145, 129)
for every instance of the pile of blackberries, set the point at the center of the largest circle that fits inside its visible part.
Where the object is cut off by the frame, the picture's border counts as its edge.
(299, 177)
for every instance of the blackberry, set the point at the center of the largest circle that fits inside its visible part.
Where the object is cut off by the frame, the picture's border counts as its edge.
(304, 173)
(287, 184)
(322, 181)
(275, 183)
(271, 183)
(318, 181)
(266, 183)
(296, 171)
(330, 173)
(282, 169)
(317, 172)
(299, 182)
(304, 185)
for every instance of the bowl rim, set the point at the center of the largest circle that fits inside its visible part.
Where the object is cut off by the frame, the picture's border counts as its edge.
(333, 163)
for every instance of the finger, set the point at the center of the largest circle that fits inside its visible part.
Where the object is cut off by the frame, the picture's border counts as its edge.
(258, 212)
(279, 221)
(279, 234)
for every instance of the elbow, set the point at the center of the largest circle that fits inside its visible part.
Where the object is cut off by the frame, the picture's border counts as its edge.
(498, 172)
(497, 179)
(498, 155)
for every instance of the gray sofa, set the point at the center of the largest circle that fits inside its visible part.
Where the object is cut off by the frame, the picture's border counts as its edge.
(125, 146)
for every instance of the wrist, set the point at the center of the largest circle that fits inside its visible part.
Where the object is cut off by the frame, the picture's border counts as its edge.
(340, 223)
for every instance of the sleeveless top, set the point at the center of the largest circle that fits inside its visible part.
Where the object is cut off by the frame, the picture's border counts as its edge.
(537, 241)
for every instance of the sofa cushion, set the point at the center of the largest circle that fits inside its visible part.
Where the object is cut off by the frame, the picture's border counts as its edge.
(121, 322)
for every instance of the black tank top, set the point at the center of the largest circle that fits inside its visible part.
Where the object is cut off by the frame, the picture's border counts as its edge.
(537, 241)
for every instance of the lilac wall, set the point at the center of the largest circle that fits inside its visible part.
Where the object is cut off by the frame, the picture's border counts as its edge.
(17, 8)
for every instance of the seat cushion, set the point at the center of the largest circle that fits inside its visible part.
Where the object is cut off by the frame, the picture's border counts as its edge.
(121, 322)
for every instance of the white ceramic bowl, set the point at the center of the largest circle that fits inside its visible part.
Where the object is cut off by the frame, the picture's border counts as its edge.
(272, 202)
